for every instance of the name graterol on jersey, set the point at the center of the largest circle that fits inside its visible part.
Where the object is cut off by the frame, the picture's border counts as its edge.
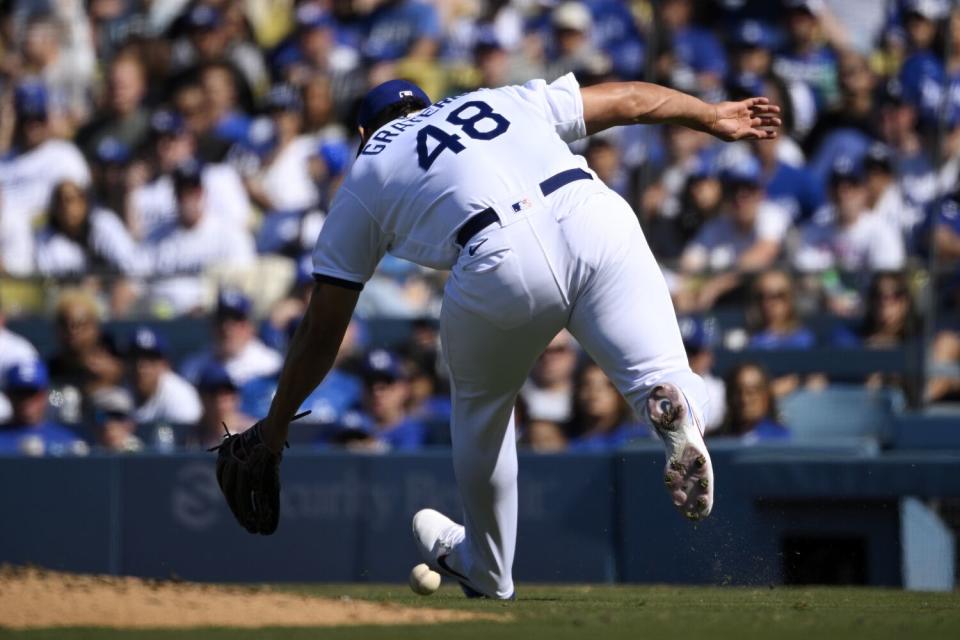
(385, 136)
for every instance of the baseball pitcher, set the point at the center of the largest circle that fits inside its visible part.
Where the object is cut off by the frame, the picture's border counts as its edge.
(484, 184)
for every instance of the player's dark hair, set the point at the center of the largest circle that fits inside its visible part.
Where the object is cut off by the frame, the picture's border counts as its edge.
(402, 107)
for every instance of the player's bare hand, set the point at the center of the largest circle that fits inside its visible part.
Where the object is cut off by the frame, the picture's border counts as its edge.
(750, 119)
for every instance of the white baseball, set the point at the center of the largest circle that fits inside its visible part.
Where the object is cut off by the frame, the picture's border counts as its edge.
(424, 580)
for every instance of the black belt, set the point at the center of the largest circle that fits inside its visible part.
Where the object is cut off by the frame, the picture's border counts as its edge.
(488, 216)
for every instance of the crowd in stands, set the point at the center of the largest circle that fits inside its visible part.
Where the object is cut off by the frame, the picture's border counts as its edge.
(176, 159)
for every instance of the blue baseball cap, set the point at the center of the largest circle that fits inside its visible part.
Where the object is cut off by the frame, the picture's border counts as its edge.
(27, 376)
(112, 150)
(335, 155)
(166, 123)
(204, 17)
(311, 16)
(386, 95)
(188, 174)
(702, 169)
(846, 168)
(745, 170)
(697, 334)
(215, 376)
(283, 97)
(148, 343)
(754, 34)
(381, 364)
(234, 304)
(30, 100)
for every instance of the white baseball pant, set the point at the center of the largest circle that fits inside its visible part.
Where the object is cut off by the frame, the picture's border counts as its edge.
(576, 259)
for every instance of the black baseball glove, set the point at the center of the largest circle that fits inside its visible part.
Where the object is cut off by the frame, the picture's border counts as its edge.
(248, 473)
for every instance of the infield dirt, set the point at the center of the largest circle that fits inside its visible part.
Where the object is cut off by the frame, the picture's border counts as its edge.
(32, 598)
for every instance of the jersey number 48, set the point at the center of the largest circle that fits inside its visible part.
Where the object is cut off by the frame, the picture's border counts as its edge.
(468, 124)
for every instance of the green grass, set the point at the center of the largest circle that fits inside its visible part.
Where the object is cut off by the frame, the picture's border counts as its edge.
(611, 613)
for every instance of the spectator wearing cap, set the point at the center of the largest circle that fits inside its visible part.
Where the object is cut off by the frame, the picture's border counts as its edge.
(922, 74)
(211, 35)
(602, 419)
(28, 432)
(857, 107)
(153, 199)
(911, 160)
(87, 359)
(161, 396)
(699, 201)
(698, 62)
(111, 160)
(402, 29)
(14, 349)
(123, 117)
(340, 391)
(236, 346)
(220, 397)
(844, 235)
(37, 163)
(283, 181)
(193, 243)
(571, 40)
(81, 239)
(699, 335)
(750, 230)
(385, 407)
(114, 423)
(806, 58)
(789, 186)
(885, 196)
(314, 50)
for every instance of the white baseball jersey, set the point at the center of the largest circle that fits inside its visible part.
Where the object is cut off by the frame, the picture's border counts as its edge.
(27, 179)
(175, 401)
(418, 179)
(109, 242)
(155, 203)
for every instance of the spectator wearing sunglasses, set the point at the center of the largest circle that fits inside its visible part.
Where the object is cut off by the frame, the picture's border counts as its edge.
(772, 316)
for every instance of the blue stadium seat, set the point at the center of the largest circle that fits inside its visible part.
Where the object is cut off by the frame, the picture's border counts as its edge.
(841, 412)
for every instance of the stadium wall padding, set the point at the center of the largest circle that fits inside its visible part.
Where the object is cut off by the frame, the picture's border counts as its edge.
(592, 518)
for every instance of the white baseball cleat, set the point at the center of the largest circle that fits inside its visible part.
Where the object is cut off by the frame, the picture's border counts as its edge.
(689, 472)
(436, 535)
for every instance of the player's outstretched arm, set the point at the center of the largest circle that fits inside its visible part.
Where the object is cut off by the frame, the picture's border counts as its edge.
(614, 104)
(310, 356)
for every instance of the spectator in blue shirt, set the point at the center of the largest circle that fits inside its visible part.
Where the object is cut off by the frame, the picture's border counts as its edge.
(922, 74)
(28, 432)
(772, 315)
(615, 33)
(946, 234)
(857, 107)
(385, 423)
(602, 419)
(699, 60)
(806, 59)
(402, 28)
(793, 188)
(752, 406)
(220, 396)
